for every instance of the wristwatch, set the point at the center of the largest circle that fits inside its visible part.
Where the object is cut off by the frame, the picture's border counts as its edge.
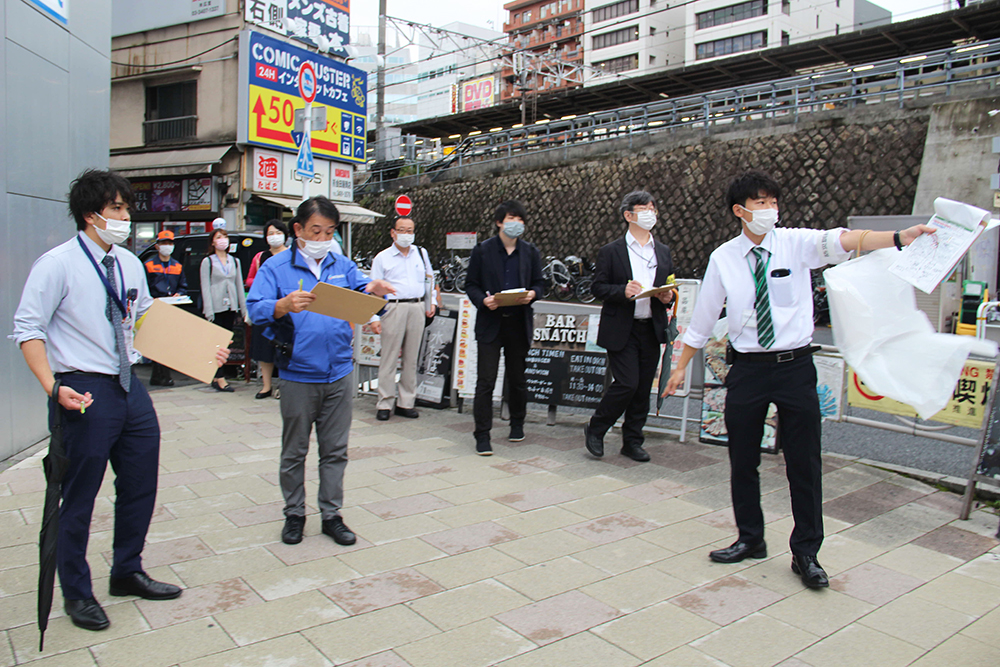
(896, 241)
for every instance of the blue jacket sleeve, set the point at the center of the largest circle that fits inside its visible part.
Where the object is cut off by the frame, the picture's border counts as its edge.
(263, 295)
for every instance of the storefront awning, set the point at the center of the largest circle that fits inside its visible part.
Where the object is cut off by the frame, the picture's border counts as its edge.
(169, 163)
(348, 212)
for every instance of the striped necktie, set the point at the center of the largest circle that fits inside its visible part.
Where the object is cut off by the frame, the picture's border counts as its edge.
(115, 317)
(765, 328)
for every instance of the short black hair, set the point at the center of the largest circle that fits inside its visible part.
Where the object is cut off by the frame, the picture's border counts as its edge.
(510, 207)
(392, 225)
(93, 190)
(751, 185)
(277, 224)
(636, 198)
(317, 206)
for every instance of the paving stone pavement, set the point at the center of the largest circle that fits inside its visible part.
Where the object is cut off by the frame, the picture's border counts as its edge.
(537, 556)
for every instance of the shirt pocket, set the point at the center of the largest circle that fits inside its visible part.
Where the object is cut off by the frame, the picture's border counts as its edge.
(780, 288)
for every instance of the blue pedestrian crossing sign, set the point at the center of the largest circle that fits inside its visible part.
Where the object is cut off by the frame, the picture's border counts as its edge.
(304, 166)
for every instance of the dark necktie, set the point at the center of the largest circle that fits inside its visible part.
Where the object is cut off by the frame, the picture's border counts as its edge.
(115, 317)
(765, 328)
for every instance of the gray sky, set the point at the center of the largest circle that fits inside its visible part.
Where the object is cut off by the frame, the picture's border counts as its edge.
(479, 12)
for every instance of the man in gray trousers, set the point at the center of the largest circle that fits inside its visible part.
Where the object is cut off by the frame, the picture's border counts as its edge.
(316, 349)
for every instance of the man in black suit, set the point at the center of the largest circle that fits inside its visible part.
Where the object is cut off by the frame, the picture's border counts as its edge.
(631, 330)
(501, 263)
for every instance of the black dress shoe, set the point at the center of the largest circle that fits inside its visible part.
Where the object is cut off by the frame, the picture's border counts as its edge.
(812, 573)
(594, 442)
(140, 584)
(737, 551)
(292, 532)
(636, 453)
(263, 394)
(516, 433)
(218, 387)
(483, 447)
(382, 415)
(338, 530)
(409, 413)
(87, 614)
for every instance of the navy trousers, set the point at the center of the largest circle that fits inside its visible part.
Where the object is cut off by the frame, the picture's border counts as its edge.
(791, 386)
(121, 428)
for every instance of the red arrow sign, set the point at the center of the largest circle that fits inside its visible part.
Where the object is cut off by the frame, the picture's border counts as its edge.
(286, 137)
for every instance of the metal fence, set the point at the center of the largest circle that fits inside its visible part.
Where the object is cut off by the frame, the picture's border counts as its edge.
(169, 129)
(896, 82)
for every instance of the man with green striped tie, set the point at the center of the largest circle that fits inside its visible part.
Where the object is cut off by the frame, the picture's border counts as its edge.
(762, 277)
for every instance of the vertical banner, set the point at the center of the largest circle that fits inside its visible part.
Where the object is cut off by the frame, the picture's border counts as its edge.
(466, 357)
(437, 349)
(687, 295)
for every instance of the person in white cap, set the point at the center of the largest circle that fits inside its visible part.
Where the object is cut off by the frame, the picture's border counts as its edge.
(219, 223)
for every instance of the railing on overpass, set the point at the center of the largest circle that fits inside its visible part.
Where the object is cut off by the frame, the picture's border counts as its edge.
(899, 81)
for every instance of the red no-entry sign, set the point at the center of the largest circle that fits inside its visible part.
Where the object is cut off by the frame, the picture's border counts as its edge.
(403, 205)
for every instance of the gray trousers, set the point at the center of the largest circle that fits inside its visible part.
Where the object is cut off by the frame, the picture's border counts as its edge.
(402, 328)
(328, 405)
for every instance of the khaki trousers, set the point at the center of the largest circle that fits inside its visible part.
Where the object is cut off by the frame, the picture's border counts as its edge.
(402, 329)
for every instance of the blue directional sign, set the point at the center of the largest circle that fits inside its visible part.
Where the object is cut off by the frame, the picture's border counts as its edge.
(304, 166)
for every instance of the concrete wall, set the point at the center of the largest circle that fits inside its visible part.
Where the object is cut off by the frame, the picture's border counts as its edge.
(833, 165)
(55, 96)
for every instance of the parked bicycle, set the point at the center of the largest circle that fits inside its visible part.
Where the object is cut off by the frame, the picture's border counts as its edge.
(582, 272)
(453, 273)
(559, 282)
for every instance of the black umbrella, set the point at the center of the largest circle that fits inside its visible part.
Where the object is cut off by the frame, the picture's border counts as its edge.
(55, 465)
(671, 335)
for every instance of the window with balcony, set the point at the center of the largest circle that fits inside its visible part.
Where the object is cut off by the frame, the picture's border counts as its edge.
(604, 40)
(621, 64)
(730, 45)
(171, 112)
(731, 14)
(614, 10)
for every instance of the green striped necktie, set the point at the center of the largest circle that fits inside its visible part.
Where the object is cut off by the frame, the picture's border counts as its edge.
(765, 328)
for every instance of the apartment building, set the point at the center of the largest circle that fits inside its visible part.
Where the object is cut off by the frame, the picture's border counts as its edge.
(547, 28)
(453, 79)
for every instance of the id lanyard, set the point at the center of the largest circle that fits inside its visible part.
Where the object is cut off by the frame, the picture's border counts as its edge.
(119, 300)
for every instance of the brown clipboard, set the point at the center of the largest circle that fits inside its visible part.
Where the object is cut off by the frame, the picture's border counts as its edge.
(653, 291)
(184, 342)
(504, 299)
(344, 304)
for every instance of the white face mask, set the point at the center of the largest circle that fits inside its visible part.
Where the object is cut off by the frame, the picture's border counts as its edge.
(645, 219)
(116, 231)
(276, 240)
(315, 249)
(762, 220)
(166, 250)
(221, 244)
(404, 240)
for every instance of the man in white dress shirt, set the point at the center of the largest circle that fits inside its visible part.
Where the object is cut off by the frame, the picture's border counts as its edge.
(762, 278)
(401, 325)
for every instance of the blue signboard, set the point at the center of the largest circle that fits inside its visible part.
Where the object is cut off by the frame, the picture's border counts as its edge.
(269, 96)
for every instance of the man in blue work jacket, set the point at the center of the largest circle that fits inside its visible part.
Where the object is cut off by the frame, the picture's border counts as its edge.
(315, 385)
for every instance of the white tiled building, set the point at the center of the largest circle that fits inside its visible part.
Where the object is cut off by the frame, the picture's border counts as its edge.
(636, 37)
(444, 65)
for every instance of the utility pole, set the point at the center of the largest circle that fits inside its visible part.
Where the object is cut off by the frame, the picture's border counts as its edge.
(380, 148)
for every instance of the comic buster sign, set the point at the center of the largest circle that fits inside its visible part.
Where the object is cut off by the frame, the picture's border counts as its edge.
(269, 97)
(967, 406)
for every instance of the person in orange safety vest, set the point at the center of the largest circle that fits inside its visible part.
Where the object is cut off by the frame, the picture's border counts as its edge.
(165, 276)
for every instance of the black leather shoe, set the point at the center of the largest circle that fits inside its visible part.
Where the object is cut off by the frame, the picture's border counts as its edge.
(292, 532)
(516, 433)
(140, 584)
(483, 447)
(264, 394)
(87, 614)
(636, 453)
(737, 551)
(594, 442)
(812, 573)
(409, 413)
(161, 382)
(218, 387)
(382, 415)
(338, 530)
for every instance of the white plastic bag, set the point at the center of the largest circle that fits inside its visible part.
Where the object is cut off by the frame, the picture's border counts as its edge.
(889, 343)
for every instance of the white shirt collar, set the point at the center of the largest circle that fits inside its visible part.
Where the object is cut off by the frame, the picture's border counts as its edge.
(631, 240)
(746, 245)
(96, 250)
(396, 250)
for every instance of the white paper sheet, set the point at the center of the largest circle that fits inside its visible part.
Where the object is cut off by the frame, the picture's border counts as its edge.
(931, 257)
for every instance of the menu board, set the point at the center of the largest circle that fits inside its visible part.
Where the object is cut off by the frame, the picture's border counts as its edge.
(466, 357)
(437, 349)
(565, 366)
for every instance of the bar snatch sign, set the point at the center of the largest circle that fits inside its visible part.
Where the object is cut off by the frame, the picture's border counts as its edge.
(269, 96)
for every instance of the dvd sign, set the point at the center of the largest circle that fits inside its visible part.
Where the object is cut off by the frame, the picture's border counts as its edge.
(478, 93)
